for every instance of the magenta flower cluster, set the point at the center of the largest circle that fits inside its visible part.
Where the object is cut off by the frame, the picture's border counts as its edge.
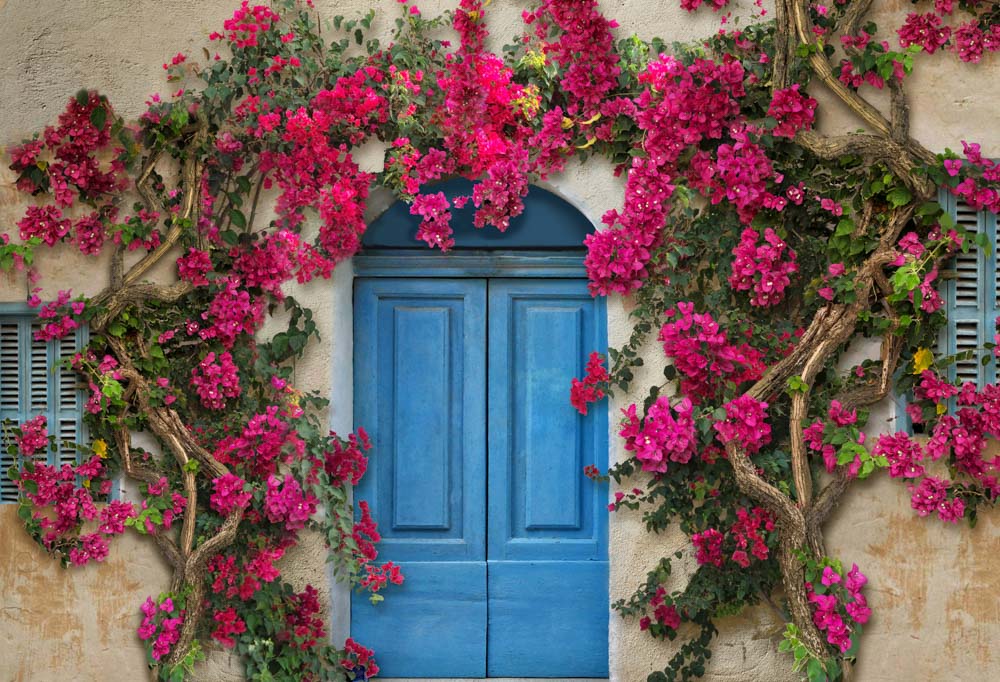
(215, 380)
(745, 424)
(233, 312)
(617, 258)
(792, 111)
(435, 223)
(247, 24)
(242, 578)
(838, 605)
(194, 267)
(78, 169)
(969, 40)
(842, 430)
(228, 623)
(931, 495)
(666, 434)
(903, 454)
(230, 493)
(750, 532)
(665, 614)
(763, 268)
(271, 261)
(582, 393)
(59, 318)
(703, 355)
(161, 626)
(924, 30)
(347, 463)
(34, 436)
(584, 48)
(63, 497)
(285, 502)
(267, 439)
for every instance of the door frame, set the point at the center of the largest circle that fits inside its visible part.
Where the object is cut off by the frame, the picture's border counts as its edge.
(420, 262)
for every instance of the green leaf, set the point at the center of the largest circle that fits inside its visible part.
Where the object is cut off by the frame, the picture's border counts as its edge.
(929, 208)
(280, 345)
(845, 228)
(816, 671)
(899, 196)
(98, 117)
(796, 384)
(238, 219)
(112, 389)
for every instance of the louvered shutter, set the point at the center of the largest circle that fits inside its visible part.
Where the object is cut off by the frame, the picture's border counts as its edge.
(31, 384)
(972, 297)
(10, 398)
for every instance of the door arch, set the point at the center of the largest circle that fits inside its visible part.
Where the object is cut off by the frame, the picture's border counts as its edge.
(462, 370)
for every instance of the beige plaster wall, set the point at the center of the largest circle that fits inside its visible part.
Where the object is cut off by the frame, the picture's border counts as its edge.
(933, 588)
(60, 624)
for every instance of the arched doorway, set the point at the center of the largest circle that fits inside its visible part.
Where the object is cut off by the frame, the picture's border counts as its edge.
(462, 366)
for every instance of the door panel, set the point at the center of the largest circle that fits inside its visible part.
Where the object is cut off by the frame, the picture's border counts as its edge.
(547, 528)
(420, 392)
(548, 619)
(433, 625)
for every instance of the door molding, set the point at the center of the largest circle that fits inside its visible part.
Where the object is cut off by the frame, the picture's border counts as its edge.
(425, 263)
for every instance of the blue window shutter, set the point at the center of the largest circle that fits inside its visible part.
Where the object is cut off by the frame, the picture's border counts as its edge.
(32, 384)
(420, 374)
(991, 283)
(972, 296)
(10, 397)
(547, 569)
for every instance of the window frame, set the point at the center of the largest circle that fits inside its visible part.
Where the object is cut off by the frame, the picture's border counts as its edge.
(25, 317)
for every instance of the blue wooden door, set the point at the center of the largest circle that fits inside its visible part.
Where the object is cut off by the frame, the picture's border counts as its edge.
(518, 589)
(420, 373)
(547, 575)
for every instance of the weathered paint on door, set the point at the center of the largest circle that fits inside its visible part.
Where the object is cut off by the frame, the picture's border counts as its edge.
(476, 477)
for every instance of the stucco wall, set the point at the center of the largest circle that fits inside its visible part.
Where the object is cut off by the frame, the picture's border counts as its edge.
(933, 588)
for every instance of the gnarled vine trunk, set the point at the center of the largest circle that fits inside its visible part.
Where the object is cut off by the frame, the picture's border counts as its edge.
(801, 519)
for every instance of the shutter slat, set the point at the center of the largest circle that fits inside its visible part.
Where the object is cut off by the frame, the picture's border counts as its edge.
(67, 432)
(39, 377)
(967, 339)
(968, 292)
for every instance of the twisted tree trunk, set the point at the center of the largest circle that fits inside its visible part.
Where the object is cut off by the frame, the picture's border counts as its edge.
(800, 519)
